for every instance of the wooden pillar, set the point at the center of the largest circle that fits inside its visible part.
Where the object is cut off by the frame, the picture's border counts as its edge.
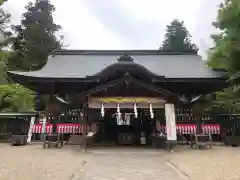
(198, 112)
(85, 121)
(66, 114)
(158, 125)
(85, 114)
(56, 109)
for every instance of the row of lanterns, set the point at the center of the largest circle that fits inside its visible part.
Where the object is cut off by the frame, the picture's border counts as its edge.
(134, 109)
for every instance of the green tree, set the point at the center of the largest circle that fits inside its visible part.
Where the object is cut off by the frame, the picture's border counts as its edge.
(178, 39)
(4, 55)
(227, 101)
(5, 33)
(2, 1)
(35, 37)
(226, 52)
(14, 97)
(4, 41)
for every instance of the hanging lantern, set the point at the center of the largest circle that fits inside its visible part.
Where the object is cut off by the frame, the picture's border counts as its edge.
(102, 110)
(151, 111)
(135, 110)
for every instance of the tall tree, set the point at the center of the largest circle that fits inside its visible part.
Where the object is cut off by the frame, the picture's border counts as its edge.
(35, 37)
(2, 1)
(4, 40)
(4, 18)
(4, 55)
(13, 97)
(226, 52)
(177, 38)
(5, 33)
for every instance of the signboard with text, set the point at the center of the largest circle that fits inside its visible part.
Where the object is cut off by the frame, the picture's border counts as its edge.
(170, 122)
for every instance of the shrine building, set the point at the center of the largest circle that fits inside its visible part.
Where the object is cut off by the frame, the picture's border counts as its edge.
(114, 92)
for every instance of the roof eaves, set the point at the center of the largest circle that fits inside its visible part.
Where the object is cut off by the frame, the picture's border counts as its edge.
(191, 80)
(18, 76)
(20, 114)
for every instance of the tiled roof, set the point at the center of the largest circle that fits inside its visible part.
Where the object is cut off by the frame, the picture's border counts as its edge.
(80, 64)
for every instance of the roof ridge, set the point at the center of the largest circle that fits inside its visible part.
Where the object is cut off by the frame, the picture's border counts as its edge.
(118, 52)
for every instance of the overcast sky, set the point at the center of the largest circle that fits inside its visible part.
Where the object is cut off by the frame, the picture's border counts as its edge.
(126, 24)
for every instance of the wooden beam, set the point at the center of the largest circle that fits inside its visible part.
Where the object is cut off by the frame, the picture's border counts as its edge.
(102, 87)
(150, 87)
(130, 79)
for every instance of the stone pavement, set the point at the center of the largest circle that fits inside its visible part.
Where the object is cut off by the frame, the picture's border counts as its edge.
(219, 163)
(129, 164)
(32, 162)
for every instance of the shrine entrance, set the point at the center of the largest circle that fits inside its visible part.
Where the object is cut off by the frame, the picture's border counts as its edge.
(128, 129)
(127, 120)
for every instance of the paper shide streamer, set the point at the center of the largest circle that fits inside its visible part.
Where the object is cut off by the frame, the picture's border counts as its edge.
(151, 111)
(102, 110)
(135, 110)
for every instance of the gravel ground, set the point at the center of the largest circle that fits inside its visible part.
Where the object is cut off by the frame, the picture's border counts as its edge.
(32, 162)
(220, 163)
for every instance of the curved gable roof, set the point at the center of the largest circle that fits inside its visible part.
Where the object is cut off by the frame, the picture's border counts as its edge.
(125, 67)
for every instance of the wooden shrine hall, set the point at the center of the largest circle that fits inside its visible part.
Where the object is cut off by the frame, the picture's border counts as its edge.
(123, 93)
